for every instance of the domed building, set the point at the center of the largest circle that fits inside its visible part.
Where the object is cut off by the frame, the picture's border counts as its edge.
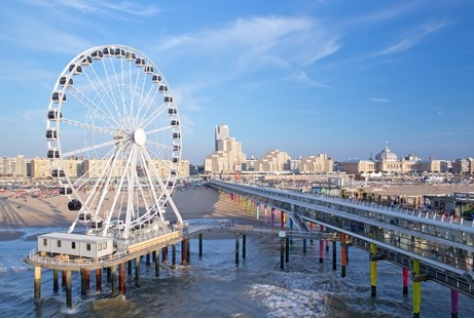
(386, 155)
(387, 163)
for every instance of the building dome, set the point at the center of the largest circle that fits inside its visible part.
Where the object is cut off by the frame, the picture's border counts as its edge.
(386, 155)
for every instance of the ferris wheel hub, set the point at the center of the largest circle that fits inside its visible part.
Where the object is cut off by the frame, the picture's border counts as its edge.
(139, 137)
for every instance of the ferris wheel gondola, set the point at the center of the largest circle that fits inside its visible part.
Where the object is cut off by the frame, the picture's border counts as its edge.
(112, 110)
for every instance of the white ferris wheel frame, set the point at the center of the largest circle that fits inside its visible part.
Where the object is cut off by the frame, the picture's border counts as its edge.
(111, 95)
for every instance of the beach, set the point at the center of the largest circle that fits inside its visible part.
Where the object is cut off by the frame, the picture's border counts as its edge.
(193, 203)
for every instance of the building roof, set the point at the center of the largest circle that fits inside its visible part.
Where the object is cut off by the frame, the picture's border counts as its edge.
(75, 237)
(386, 155)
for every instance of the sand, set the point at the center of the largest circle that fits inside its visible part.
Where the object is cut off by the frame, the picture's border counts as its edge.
(202, 202)
(198, 203)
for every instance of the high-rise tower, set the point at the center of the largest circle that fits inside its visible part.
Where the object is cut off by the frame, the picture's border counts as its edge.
(222, 133)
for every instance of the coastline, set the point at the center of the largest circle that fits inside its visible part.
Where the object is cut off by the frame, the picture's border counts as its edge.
(193, 204)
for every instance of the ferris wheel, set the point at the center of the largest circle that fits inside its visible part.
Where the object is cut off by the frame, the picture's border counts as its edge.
(114, 142)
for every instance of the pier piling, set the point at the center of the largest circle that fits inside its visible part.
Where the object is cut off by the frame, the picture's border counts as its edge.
(98, 280)
(122, 279)
(37, 285)
(137, 272)
(68, 290)
(55, 281)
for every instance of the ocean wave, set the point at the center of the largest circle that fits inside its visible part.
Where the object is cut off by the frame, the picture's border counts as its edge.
(289, 303)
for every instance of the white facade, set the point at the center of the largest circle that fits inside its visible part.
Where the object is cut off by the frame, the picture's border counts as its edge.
(75, 245)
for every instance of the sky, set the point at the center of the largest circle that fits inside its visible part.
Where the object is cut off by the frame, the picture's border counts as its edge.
(344, 78)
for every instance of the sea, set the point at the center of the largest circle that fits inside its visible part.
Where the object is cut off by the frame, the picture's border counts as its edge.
(215, 286)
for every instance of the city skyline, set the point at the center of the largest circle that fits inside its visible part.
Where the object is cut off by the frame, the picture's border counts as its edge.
(304, 77)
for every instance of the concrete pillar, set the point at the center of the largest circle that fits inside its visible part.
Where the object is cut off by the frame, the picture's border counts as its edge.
(83, 283)
(405, 275)
(137, 272)
(236, 249)
(454, 303)
(148, 262)
(157, 264)
(321, 246)
(416, 290)
(164, 253)
(373, 271)
(282, 253)
(273, 217)
(63, 278)
(113, 280)
(343, 255)
(37, 285)
(122, 279)
(98, 280)
(188, 250)
(173, 256)
(184, 252)
(265, 214)
(55, 281)
(200, 245)
(68, 290)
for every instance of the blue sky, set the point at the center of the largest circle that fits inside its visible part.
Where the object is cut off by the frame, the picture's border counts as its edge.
(306, 77)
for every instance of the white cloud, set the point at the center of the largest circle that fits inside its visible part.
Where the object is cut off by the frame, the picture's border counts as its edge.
(303, 78)
(116, 10)
(259, 42)
(412, 38)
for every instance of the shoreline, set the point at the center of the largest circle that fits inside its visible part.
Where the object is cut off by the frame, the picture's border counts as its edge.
(193, 204)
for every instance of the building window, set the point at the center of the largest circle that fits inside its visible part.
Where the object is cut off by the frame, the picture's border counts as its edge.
(104, 246)
(73, 245)
(59, 243)
(100, 247)
(88, 247)
(45, 241)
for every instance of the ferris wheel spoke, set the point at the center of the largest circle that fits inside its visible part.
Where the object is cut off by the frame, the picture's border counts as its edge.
(97, 84)
(144, 112)
(159, 129)
(93, 107)
(152, 176)
(122, 179)
(87, 126)
(152, 117)
(88, 149)
(159, 145)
